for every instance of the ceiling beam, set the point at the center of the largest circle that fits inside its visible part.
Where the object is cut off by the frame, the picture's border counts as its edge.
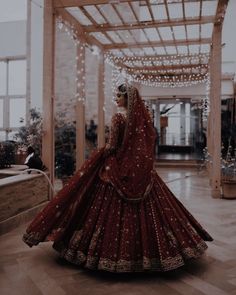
(148, 76)
(221, 10)
(151, 24)
(158, 43)
(166, 68)
(164, 57)
(77, 3)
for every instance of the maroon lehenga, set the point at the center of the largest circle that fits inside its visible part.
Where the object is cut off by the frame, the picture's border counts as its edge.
(116, 213)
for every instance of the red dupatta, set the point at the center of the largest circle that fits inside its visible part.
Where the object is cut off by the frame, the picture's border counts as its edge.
(131, 168)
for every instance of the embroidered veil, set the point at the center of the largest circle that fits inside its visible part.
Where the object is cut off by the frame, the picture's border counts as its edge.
(130, 170)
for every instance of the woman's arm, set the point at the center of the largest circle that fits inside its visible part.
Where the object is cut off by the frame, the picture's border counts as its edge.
(112, 143)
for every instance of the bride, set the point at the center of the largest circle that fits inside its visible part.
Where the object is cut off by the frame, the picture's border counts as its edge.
(116, 213)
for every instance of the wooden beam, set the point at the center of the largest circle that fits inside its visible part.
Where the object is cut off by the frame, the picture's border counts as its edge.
(185, 26)
(157, 44)
(82, 35)
(80, 108)
(78, 3)
(170, 26)
(166, 68)
(165, 57)
(101, 100)
(151, 24)
(220, 11)
(48, 88)
(215, 107)
(201, 77)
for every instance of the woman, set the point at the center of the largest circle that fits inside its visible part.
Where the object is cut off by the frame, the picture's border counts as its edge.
(116, 214)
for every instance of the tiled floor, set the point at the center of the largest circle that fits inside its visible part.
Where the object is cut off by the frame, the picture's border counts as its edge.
(38, 270)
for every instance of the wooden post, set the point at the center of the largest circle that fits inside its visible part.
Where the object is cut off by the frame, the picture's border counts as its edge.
(80, 107)
(215, 116)
(48, 88)
(101, 113)
(209, 142)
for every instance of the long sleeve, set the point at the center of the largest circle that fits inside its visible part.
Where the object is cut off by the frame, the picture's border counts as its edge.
(114, 131)
(112, 144)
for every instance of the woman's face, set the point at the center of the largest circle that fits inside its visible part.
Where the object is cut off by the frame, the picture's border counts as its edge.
(120, 99)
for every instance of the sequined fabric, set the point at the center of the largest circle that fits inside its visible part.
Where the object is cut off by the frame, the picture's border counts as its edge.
(132, 165)
(96, 222)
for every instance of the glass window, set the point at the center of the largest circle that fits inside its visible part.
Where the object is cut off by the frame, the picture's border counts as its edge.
(17, 112)
(3, 73)
(17, 77)
(12, 10)
(1, 113)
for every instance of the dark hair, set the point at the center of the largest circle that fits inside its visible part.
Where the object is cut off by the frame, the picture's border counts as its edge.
(123, 89)
(30, 150)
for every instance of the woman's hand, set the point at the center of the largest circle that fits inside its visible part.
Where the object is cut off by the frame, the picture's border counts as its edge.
(108, 150)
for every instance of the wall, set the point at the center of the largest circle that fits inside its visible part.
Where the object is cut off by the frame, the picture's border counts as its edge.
(65, 84)
(228, 38)
(195, 91)
(32, 190)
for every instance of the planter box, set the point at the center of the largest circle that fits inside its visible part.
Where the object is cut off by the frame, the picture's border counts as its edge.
(229, 189)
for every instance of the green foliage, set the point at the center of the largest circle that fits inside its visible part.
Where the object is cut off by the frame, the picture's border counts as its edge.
(65, 144)
(31, 134)
(7, 154)
(64, 141)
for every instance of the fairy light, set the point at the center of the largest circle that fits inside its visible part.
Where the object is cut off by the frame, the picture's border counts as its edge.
(184, 77)
(162, 80)
(206, 100)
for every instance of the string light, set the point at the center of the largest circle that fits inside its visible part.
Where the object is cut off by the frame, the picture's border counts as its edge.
(206, 100)
(196, 72)
(162, 80)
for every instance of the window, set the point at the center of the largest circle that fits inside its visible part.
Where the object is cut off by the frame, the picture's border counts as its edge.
(13, 10)
(12, 97)
(2, 78)
(17, 77)
(177, 131)
(1, 113)
(17, 112)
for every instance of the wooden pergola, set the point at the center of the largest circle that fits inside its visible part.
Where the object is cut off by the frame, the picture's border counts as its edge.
(151, 39)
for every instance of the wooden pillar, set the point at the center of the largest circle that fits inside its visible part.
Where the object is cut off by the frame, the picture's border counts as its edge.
(101, 100)
(48, 88)
(209, 143)
(80, 107)
(215, 113)
(158, 117)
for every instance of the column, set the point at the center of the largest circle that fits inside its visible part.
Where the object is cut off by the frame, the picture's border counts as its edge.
(48, 88)
(215, 116)
(28, 62)
(101, 113)
(80, 107)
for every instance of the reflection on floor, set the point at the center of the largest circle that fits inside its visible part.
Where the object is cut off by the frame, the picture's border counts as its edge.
(38, 270)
